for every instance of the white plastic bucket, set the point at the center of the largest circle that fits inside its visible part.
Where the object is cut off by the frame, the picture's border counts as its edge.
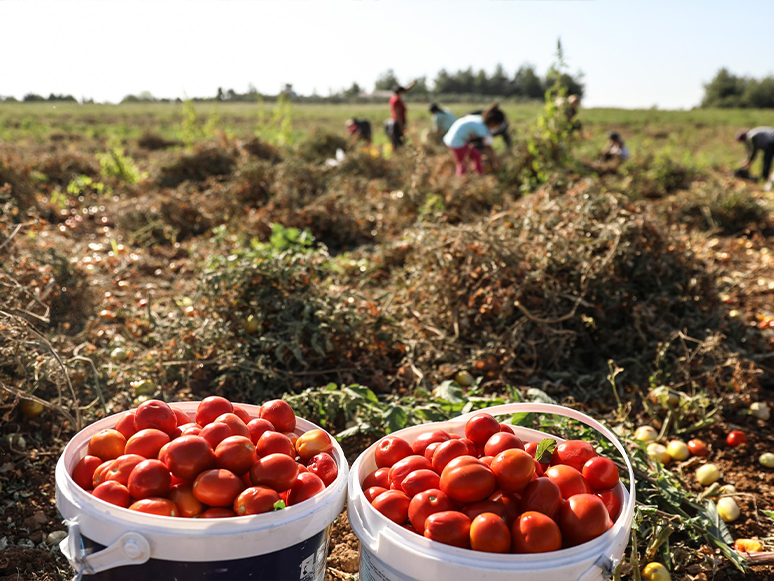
(388, 552)
(109, 543)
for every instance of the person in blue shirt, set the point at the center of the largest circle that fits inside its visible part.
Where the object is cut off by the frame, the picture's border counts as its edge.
(442, 120)
(465, 130)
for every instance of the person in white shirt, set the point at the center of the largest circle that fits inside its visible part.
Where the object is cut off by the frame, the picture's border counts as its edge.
(469, 128)
(616, 148)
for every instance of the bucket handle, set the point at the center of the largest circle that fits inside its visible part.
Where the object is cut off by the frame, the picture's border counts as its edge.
(544, 408)
(130, 549)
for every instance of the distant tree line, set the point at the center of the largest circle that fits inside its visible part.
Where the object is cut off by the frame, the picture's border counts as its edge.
(525, 83)
(727, 90)
(35, 98)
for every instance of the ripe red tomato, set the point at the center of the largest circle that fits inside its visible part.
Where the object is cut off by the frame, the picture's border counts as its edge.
(114, 493)
(217, 513)
(446, 452)
(210, 408)
(404, 467)
(279, 413)
(391, 449)
(542, 495)
(511, 502)
(278, 471)
(468, 483)
(472, 448)
(373, 492)
(379, 477)
(155, 414)
(612, 503)
(582, 518)
(420, 480)
(324, 466)
(426, 503)
(215, 433)
(293, 437)
(698, 448)
(506, 428)
(274, 443)
(449, 527)
(100, 473)
(237, 426)
(569, 480)
(736, 438)
(148, 479)
(534, 532)
(513, 469)
(305, 487)
(313, 442)
(187, 504)
(120, 468)
(257, 427)
(489, 533)
(157, 506)
(481, 427)
(181, 418)
(487, 460)
(463, 461)
(217, 487)
(573, 453)
(188, 456)
(255, 500)
(107, 444)
(235, 453)
(393, 504)
(531, 449)
(430, 450)
(83, 472)
(242, 414)
(125, 424)
(501, 442)
(601, 473)
(425, 439)
(146, 443)
(473, 510)
(190, 429)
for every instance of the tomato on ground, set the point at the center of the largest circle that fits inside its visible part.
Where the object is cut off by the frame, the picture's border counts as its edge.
(736, 438)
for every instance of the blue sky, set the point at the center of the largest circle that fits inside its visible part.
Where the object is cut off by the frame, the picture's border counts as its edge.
(633, 53)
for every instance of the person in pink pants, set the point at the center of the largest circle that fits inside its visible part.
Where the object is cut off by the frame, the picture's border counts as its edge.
(468, 128)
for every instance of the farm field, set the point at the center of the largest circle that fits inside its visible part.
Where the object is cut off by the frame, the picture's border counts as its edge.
(177, 251)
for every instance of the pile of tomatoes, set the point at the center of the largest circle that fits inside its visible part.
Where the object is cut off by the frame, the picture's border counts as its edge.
(223, 463)
(487, 492)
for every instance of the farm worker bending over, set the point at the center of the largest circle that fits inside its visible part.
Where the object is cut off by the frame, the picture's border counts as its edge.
(501, 130)
(469, 128)
(396, 126)
(616, 148)
(359, 130)
(759, 138)
(443, 119)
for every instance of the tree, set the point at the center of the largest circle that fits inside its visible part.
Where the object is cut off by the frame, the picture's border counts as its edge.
(32, 98)
(220, 96)
(442, 82)
(386, 81)
(353, 91)
(527, 83)
(725, 90)
(481, 83)
(759, 94)
(498, 82)
(421, 87)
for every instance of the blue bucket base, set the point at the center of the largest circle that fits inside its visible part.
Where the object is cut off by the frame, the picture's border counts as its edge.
(302, 562)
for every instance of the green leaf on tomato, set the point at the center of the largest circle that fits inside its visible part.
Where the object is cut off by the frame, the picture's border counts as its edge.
(545, 449)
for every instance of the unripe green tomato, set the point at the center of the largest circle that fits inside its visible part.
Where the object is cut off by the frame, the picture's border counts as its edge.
(767, 459)
(656, 572)
(645, 434)
(707, 474)
(678, 450)
(728, 509)
(658, 453)
(760, 410)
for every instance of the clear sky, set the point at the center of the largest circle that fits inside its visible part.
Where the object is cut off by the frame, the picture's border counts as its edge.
(633, 53)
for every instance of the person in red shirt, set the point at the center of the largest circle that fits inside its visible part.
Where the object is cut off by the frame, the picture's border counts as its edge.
(396, 126)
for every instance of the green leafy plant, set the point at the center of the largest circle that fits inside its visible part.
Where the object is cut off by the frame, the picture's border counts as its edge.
(116, 163)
